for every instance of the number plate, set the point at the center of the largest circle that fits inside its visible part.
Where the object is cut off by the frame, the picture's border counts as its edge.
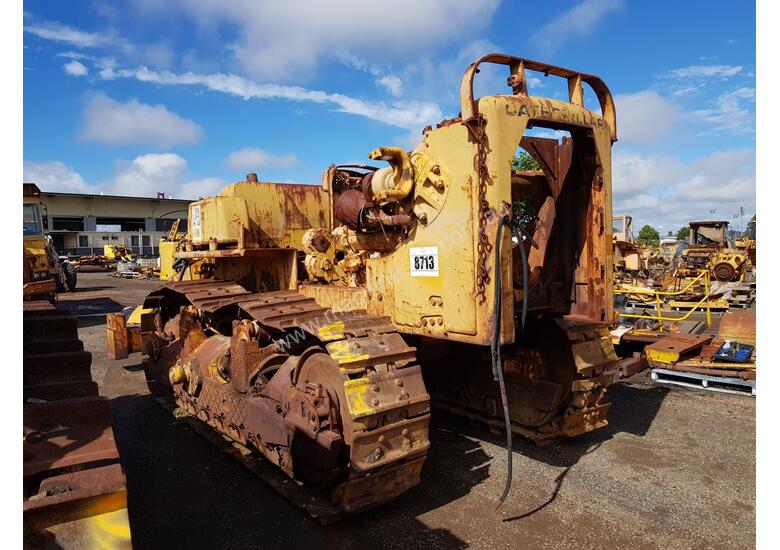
(424, 261)
(195, 221)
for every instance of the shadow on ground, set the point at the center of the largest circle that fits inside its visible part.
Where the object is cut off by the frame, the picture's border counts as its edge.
(92, 311)
(175, 473)
(185, 493)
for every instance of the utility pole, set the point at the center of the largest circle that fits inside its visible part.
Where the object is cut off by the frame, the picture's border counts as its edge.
(741, 213)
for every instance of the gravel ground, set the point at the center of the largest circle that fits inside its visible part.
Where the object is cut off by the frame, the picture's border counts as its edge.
(674, 469)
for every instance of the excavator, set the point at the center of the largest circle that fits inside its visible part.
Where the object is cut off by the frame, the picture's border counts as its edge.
(318, 326)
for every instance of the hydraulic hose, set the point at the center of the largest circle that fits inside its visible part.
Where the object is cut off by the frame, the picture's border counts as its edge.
(495, 347)
(180, 270)
(498, 369)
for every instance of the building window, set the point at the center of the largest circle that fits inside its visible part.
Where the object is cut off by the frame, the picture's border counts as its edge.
(120, 224)
(166, 224)
(83, 241)
(146, 240)
(62, 223)
(133, 240)
(104, 237)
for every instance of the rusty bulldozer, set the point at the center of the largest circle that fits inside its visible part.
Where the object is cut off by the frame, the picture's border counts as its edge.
(710, 248)
(317, 325)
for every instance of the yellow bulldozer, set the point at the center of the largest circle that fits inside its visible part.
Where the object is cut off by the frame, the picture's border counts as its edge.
(710, 248)
(74, 491)
(45, 272)
(324, 322)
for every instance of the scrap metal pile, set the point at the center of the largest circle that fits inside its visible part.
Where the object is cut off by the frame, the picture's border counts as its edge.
(668, 309)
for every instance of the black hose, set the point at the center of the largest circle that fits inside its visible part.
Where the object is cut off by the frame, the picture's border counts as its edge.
(498, 369)
(495, 347)
(180, 272)
(525, 277)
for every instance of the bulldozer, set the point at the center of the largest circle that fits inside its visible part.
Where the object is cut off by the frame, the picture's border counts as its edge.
(45, 271)
(324, 322)
(74, 489)
(709, 248)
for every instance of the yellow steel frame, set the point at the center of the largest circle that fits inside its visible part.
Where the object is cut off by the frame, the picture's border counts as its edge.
(704, 275)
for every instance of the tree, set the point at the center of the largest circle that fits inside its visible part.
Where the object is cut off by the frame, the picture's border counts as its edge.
(649, 235)
(524, 161)
(683, 233)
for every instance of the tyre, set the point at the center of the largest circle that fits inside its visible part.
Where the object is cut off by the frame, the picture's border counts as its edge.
(70, 276)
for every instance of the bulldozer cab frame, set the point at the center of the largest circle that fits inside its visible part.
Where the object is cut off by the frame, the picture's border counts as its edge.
(571, 263)
(713, 234)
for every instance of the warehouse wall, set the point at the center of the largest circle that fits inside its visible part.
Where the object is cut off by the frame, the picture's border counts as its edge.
(83, 224)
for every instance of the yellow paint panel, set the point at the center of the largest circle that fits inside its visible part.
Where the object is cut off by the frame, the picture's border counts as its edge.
(344, 352)
(135, 317)
(662, 356)
(356, 391)
(333, 331)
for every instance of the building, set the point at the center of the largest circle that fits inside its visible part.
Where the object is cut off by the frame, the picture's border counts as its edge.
(83, 224)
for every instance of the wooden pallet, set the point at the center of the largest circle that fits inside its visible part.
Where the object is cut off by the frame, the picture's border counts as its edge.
(720, 384)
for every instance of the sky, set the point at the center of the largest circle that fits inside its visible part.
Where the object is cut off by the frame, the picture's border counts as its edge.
(135, 97)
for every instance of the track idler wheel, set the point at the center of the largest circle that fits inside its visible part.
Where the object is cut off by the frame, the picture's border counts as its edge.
(724, 271)
(315, 461)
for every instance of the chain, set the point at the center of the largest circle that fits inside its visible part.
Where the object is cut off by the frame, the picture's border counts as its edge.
(484, 247)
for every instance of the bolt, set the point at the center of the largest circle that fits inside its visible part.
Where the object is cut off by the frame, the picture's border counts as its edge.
(403, 396)
(425, 322)
(375, 387)
(399, 382)
(440, 321)
(436, 169)
(423, 217)
(381, 439)
(374, 402)
(405, 432)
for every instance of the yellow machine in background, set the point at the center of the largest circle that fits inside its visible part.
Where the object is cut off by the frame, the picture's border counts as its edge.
(328, 318)
(710, 248)
(45, 272)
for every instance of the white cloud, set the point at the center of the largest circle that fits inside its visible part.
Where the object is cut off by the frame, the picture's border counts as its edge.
(143, 176)
(579, 21)
(55, 176)
(58, 32)
(168, 173)
(75, 55)
(645, 117)
(135, 123)
(263, 47)
(75, 68)
(392, 84)
(730, 111)
(355, 62)
(705, 71)
(668, 193)
(147, 174)
(254, 158)
(403, 114)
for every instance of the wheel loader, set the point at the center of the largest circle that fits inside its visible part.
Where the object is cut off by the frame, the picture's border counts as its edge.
(322, 324)
(45, 272)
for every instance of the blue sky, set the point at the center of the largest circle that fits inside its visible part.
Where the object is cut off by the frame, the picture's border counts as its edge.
(186, 96)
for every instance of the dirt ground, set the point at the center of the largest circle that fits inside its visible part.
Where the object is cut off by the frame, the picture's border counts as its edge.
(674, 469)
